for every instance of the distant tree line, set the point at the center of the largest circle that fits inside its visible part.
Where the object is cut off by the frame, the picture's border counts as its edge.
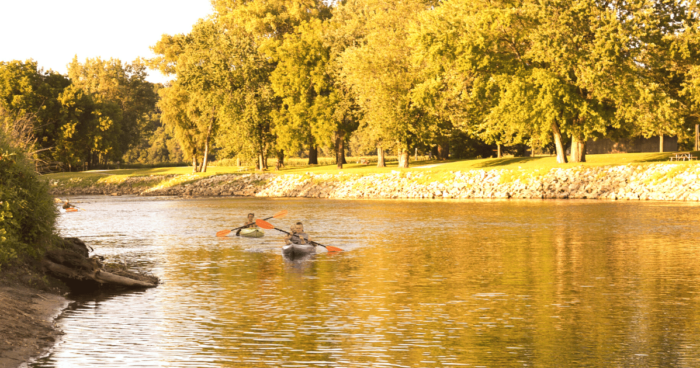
(277, 78)
(102, 111)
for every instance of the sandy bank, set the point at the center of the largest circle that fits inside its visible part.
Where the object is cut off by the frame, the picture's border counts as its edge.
(27, 329)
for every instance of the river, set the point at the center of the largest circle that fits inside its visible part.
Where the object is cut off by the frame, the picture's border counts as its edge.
(420, 284)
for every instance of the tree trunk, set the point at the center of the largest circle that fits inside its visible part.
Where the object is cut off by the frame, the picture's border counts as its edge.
(661, 143)
(205, 159)
(313, 154)
(380, 157)
(443, 148)
(498, 146)
(195, 164)
(340, 148)
(260, 162)
(280, 159)
(578, 148)
(100, 276)
(238, 161)
(264, 158)
(70, 260)
(403, 158)
(561, 154)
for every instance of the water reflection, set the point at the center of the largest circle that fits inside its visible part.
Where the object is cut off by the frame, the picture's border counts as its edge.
(421, 284)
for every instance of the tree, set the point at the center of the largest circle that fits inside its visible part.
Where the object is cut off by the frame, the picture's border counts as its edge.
(380, 72)
(175, 107)
(316, 107)
(667, 61)
(202, 85)
(29, 95)
(124, 85)
(562, 67)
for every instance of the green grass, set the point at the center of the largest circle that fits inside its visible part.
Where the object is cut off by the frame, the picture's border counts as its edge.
(528, 166)
(115, 176)
(538, 163)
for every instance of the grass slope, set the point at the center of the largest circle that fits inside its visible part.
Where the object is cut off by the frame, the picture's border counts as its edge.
(540, 163)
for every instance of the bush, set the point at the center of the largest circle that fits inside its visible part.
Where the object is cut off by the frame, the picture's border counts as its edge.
(27, 211)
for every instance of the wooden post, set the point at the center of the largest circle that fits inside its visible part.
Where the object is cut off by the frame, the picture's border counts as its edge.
(661, 143)
(697, 137)
(416, 159)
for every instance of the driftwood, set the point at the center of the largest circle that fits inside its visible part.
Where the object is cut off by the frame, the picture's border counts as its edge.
(69, 261)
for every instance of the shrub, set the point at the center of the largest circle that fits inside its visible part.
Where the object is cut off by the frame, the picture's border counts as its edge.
(27, 211)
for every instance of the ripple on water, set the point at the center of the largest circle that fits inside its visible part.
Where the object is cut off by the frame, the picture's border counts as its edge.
(476, 283)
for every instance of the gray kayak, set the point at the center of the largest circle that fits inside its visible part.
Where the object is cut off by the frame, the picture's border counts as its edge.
(298, 250)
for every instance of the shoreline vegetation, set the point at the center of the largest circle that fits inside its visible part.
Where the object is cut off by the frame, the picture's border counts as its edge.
(37, 266)
(623, 176)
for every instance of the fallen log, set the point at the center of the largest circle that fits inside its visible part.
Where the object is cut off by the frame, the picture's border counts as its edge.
(69, 261)
(100, 276)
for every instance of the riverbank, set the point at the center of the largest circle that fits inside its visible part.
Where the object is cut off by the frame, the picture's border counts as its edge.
(27, 327)
(662, 181)
(32, 295)
(30, 302)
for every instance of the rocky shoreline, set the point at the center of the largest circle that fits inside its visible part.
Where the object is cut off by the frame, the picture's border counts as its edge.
(667, 182)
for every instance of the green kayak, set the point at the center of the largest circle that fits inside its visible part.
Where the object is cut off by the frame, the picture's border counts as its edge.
(252, 233)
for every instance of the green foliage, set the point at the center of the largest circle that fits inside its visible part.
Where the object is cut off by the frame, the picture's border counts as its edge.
(27, 212)
(92, 116)
(264, 78)
(380, 70)
(509, 72)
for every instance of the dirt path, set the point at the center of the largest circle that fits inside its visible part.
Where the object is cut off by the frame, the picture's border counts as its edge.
(27, 323)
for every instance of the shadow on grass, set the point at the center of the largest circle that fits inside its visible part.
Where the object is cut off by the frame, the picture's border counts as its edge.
(660, 157)
(507, 161)
(655, 157)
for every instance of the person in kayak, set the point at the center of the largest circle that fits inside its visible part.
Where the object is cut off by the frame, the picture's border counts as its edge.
(297, 236)
(67, 205)
(249, 223)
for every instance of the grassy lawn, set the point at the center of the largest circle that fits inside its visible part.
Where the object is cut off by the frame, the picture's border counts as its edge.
(525, 163)
(123, 173)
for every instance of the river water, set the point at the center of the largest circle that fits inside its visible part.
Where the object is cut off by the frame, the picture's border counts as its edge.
(420, 284)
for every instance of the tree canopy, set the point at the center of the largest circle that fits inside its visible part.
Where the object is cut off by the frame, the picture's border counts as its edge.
(287, 78)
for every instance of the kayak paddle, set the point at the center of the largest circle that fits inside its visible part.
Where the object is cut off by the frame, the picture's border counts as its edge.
(279, 214)
(266, 225)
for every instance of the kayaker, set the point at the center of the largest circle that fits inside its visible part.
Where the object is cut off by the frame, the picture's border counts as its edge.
(250, 221)
(297, 236)
(67, 205)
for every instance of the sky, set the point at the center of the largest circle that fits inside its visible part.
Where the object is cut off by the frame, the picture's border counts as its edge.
(52, 32)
